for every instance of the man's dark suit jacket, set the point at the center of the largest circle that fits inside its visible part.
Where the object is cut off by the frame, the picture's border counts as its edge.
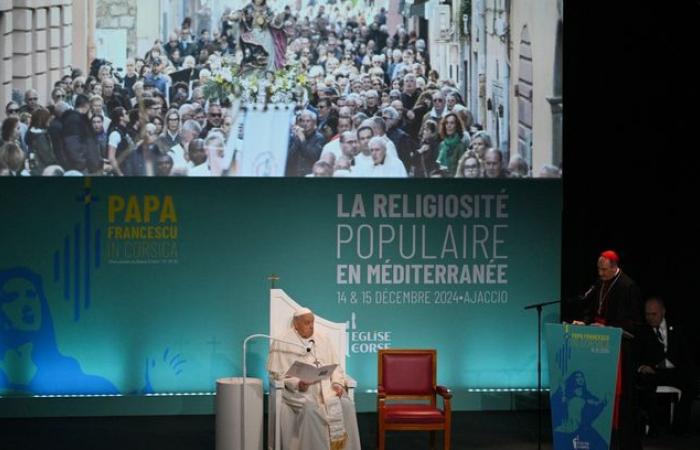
(650, 351)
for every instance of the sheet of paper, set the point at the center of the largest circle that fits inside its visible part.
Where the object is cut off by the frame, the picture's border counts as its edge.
(309, 373)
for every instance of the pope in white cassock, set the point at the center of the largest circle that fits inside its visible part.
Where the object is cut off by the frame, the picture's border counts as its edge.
(316, 416)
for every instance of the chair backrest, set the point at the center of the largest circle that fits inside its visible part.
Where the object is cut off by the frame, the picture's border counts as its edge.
(408, 373)
(282, 309)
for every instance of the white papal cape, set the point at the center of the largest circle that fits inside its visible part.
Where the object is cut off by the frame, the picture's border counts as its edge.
(306, 421)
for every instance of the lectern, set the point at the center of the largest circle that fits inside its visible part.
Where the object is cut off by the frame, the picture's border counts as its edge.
(583, 367)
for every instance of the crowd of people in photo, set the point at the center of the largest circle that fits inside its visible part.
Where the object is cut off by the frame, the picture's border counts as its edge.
(375, 108)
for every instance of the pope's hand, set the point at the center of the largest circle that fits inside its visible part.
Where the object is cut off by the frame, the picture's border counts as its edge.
(339, 391)
(303, 386)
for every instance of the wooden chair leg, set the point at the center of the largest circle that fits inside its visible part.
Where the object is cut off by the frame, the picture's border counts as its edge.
(447, 435)
(380, 438)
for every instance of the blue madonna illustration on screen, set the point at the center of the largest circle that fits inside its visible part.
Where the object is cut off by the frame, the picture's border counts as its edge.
(31, 361)
(577, 409)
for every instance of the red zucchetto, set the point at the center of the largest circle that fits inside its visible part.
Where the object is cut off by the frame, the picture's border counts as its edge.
(610, 256)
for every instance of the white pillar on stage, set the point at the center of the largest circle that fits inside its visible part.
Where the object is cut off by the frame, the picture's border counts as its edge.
(228, 414)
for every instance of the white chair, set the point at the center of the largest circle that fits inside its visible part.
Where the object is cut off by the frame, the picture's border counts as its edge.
(675, 392)
(282, 309)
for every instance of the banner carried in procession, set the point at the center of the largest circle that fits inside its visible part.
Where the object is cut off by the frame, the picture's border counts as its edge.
(150, 285)
(265, 141)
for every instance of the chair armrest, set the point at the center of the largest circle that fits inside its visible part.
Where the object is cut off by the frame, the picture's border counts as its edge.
(350, 382)
(444, 392)
(350, 386)
(381, 402)
(446, 395)
(381, 393)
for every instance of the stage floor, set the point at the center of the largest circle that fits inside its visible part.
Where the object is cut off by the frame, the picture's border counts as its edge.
(503, 430)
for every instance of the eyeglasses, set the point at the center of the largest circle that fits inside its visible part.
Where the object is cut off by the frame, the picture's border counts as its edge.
(59, 96)
(13, 111)
(471, 167)
(32, 99)
(215, 114)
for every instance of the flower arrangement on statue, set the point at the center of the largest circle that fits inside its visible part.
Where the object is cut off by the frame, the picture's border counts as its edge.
(283, 86)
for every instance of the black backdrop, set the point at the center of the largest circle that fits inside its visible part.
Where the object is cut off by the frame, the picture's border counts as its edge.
(631, 135)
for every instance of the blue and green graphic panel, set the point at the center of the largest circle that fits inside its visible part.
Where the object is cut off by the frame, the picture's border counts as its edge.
(150, 285)
(583, 364)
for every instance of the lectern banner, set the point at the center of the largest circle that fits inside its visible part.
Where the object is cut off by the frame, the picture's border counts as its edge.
(583, 363)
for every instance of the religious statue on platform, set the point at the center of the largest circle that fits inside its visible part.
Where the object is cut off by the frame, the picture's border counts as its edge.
(261, 36)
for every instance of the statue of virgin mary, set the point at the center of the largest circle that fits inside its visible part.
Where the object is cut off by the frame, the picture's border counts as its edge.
(261, 36)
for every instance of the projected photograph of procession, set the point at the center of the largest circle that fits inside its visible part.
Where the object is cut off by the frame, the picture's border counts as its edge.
(284, 88)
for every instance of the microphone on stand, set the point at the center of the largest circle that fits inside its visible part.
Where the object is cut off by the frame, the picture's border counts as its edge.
(270, 338)
(245, 343)
(588, 292)
(576, 305)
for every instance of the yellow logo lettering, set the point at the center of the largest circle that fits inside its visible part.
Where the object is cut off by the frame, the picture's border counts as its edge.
(115, 204)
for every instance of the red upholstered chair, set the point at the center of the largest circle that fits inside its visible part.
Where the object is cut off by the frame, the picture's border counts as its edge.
(409, 376)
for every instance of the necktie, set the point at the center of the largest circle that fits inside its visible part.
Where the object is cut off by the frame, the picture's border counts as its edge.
(658, 335)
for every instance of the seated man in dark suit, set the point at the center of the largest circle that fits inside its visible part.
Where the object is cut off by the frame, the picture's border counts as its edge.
(664, 359)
